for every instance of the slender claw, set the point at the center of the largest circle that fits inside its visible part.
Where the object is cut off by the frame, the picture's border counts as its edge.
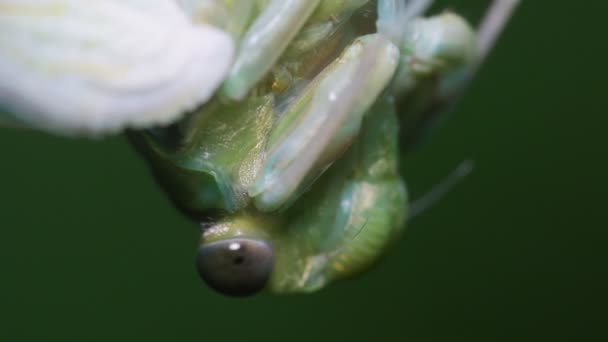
(264, 43)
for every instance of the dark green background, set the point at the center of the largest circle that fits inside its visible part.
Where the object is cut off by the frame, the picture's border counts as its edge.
(91, 250)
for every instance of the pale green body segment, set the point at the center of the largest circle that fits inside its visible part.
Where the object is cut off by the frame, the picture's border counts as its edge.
(344, 222)
(308, 158)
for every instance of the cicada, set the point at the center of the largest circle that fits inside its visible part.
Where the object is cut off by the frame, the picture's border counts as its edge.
(280, 134)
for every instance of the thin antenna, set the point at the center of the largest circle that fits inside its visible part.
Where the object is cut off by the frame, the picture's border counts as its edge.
(439, 191)
(490, 29)
(492, 25)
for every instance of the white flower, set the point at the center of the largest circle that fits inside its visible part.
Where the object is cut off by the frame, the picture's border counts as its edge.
(93, 67)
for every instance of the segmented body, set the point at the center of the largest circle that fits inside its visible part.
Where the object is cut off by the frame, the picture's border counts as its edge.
(238, 164)
(289, 117)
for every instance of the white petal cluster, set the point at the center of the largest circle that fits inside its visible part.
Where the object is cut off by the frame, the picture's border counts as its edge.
(93, 67)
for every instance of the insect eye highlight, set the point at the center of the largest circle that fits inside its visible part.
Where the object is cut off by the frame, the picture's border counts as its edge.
(235, 267)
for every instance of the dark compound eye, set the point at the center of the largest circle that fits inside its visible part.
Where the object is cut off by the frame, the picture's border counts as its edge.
(235, 267)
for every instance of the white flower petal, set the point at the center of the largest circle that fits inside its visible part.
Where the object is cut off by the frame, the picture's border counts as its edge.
(92, 67)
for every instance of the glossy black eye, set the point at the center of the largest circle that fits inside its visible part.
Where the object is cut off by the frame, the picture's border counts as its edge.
(235, 267)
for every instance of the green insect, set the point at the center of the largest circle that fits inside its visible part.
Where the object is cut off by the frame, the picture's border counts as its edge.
(291, 167)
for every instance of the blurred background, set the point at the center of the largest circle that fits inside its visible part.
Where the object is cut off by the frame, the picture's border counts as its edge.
(91, 250)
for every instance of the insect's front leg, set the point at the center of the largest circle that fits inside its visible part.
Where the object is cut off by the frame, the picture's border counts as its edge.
(264, 42)
(322, 123)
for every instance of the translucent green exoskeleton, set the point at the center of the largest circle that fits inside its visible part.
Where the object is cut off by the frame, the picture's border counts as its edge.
(293, 115)
(292, 169)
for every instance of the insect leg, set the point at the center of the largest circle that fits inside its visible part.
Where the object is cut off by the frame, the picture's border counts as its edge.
(355, 209)
(319, 126)
(436, 95)
(89, 68)
(264, 43)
